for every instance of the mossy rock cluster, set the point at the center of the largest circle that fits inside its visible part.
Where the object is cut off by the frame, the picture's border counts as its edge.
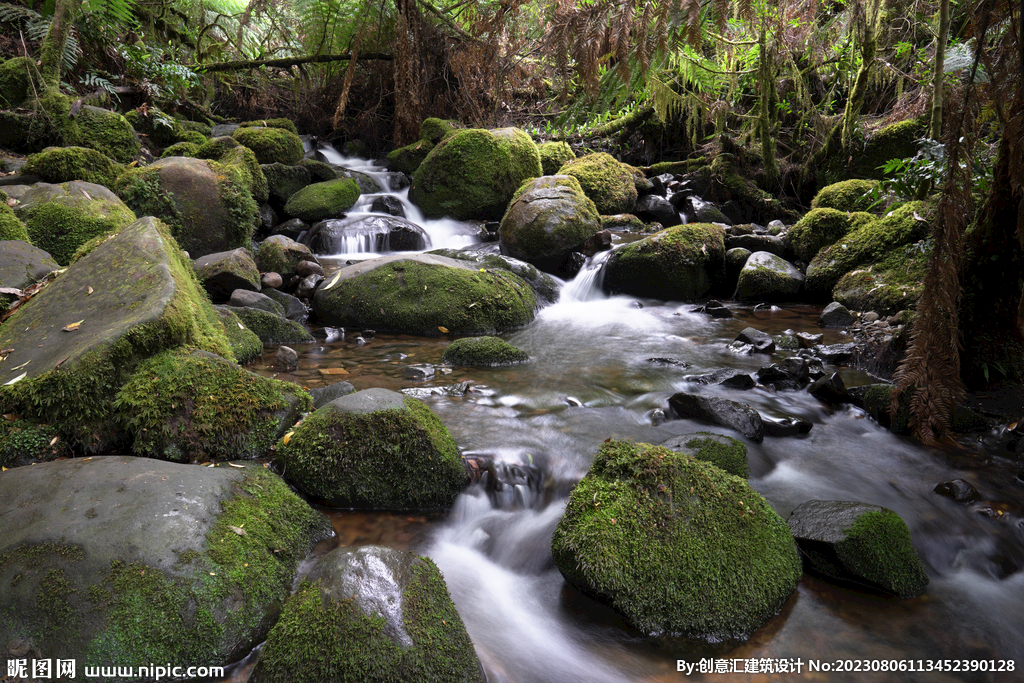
(243, 161)
(545, 288)
(554, 155)
(184, 405)
(681, 263)
(419, 294)
(271, 145)
(337, 630)
(869, 243)
(847, 195)
(549, 218)
(822, 227)
(473, 173)
(61, 164)
(115, 559)
(483, 352)
(208, 205)
(407, 159)
(607, 181)
(164, 129)
(131, 297)
(61, 218)
(675, 544)
(285, 124)
(320, 201)
(374, 449)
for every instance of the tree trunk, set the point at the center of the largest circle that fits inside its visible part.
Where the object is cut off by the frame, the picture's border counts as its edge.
(51, 54)
(766, 120)
(993, 276)
(939, 67)
(285, 62)
(869, 25)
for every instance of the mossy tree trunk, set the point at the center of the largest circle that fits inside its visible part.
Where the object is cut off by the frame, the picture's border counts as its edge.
(766, 119)
(51, 55)
(869, 15)
(939, 67)
(993, 277)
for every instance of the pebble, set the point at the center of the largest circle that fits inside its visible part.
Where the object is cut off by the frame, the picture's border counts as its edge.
(272, 280)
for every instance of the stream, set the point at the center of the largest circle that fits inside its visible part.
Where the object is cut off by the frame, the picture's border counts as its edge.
(591, 377)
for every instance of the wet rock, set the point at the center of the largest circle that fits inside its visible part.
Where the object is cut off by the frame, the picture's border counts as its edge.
(669, 361)
(677, 264)
(243, 297)
(268, 218)
(716, 309)
(724, 452)
(719, 411)
(830, 389)
(836, 315)
(861, 543)
(271, 280)
(959, 490)
(419, 372)
(601, 241)
(651, 207)
(324, 395)
(388, 204)
(286, 358)
(292, 229)
(294, 309)
(573, 402)
(307, 268)
(755, 243)
(785, 426)
(705, 212)
(280, 254)
(308, 285)
(360, 602)
(767, 277)
(273, 328)
(836, 353)
(793, 369)
(367, 233)
(808, 340)
(730, 377)
(21, 265)
(786, 342)
(762, 342)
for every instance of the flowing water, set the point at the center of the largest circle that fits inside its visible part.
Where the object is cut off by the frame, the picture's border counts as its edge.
(600, 368)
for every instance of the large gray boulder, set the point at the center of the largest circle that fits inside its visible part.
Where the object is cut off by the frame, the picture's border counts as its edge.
(118, 559)
(420, 293)
(767, 277)
(719, 411)
(549, 219)
(21, 265)
(379, 615)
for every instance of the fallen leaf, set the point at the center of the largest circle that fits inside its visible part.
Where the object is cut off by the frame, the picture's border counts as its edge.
(86, 194)
(3, 469)
(16, 379)
(54, 440)
(90, 290)
(241, 326)
(240, 532)
(73, 326)
(444, 330)
(288, 437)
(13, 291)
(241, 467)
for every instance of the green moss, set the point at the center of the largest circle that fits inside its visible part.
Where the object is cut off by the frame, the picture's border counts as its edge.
(822, 227)
(483, 352)
(319, 201)
(888, 286)
(284, 181)
(434, 129)
(407, 159)
(877, 548)
(180, 149)
(544, 286)
(245, 344)
(78, 400)
(411, 297)
(195, 137)
(385, 459)
(607, 182)
(107, 132)
(554, 155)
(16, 77)
(273, 329)
(318, 170)
(320, 640)
(675, 167)
(164, 129)
(10, 227)
(63, 224)
(153, 616)
(867, 244)
(473, 173)
(724, 452)
(679, 263)
(23, 442)
(250, 174)
(896, 141)
(186, 406)
(271, 144)
(285, 124)
(215, 148)
(847, 195)
(675, 544)
(61, 164)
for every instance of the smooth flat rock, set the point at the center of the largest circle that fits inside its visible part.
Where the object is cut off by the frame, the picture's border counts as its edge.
(22, 264)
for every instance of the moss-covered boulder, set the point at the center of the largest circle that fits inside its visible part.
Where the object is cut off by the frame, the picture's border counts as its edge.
(225, 271)
(888, 286)
(208, 205)
(767, 277)
(609, 183)
(847, 195)
(217, 147)
(421, 293)
(681, 263)
(823, 227)
(860, 543)
(374, 449)
(285, 124)
(724, 452)
(21, 265)
(483, 352)
(82, 336)
(165, 129)
(185, 405)
(244, 163)
(61, 218)
(181, 149)
(107, 132)
(283, 181)
(319, 171)
(245, 345)
(281, 254)
(896, 141)
(272, 328)
(370, 615)
(115, 559)
(16, 77)
(61, 164)
(549, 218)
(10, 227)
(545, 288)
(474, 173)
(554, 155)
(738, 196)
(271, 145)
(407, 159)
(319, 201)
(869, 243)
(675, 544)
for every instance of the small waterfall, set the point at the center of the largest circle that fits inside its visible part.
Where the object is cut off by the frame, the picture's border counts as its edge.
(586, 286)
